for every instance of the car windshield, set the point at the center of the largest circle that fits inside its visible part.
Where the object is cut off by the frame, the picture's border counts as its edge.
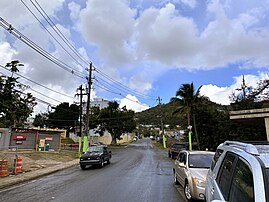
(94, 149)
(179, 146)
(200, 160)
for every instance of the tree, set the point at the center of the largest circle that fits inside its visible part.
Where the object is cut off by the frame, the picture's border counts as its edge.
(64, 116)
(186, 97)
(15, 105)
(115, 120)
(40, 120)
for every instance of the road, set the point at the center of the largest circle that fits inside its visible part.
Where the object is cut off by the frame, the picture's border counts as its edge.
(138, 172)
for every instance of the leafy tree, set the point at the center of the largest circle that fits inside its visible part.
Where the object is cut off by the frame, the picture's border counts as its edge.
(15, 106)
(65, 116)
(186, 98)
(40, 120)
(115, 120)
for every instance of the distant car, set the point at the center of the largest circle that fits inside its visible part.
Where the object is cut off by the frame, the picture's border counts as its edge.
(190, 170)
(175, 148)
(239, 172)
(95, 155)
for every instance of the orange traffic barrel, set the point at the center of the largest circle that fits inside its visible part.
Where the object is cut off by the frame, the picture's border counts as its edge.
(3, 168)
(18, 165)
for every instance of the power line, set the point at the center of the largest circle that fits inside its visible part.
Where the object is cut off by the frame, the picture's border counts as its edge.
(37, 48)
(125, 87)
(50, 33)
(37, 83)
(135, 101)
(58, 32)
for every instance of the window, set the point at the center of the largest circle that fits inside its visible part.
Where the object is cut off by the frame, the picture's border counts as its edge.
(225, 174)
(216, 157)
(200, 160)
(183, 158)
(242, 188)
(179, 156)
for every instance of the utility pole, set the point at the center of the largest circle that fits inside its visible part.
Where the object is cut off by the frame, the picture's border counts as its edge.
(80, 94)
(162, 128)
(88, 101)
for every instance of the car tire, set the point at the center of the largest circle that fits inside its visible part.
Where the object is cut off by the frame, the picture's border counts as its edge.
(187, 191)
(82, 167)
(175, 179)
(102, 163)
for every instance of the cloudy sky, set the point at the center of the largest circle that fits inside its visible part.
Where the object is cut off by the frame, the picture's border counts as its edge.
(140, 50)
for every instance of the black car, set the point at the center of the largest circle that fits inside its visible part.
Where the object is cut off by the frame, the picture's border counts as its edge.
(175, 148)
(95, 155)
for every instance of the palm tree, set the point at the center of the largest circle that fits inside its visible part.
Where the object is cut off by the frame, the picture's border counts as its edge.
(186, 97)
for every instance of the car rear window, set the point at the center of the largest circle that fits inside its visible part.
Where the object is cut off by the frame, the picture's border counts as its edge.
(179, 146)
(200, 160)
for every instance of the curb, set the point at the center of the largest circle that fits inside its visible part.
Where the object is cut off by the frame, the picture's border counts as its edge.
(9, 181)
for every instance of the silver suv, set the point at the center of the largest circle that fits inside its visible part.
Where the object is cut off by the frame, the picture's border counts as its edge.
(239, 172)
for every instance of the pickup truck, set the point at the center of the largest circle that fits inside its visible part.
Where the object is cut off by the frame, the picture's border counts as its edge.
(95, 155)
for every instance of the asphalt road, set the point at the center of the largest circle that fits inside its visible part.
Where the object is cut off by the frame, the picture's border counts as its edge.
(136, 173)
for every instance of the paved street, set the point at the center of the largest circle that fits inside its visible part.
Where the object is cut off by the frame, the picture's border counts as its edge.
(136, 173)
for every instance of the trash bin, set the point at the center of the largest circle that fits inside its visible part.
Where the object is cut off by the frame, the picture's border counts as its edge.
(47, 147)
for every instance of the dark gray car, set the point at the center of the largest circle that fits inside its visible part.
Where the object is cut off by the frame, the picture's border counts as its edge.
(95, 155)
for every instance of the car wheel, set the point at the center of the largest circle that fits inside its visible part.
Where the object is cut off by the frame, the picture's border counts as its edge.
(82, 167)
(187, 191)
(102, 163)
(175, 179)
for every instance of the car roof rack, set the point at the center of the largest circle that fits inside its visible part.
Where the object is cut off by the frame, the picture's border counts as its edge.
(247, 147)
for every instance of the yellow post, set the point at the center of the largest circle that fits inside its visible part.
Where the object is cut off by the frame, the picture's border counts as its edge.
(85, 143)
(190, 143)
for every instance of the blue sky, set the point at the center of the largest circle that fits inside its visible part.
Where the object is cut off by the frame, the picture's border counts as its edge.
(140, 49)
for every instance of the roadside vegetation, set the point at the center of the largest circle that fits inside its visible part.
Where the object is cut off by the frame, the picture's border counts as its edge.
(210, 122)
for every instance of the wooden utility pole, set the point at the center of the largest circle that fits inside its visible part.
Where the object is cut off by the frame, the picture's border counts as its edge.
(88, 101)
(161, 116)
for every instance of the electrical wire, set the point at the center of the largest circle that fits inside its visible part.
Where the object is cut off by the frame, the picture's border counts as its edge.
(37, 83)
(58, 32)
(50, 33)
(37, 48)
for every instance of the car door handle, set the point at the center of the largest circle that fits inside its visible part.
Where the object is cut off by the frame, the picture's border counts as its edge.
(212, 191)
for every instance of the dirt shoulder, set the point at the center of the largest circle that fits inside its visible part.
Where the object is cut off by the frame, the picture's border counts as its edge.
(34, 160)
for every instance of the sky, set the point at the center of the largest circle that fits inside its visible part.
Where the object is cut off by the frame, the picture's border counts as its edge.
(140, 50)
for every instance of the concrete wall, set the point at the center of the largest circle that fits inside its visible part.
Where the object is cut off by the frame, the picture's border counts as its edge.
(4, 138)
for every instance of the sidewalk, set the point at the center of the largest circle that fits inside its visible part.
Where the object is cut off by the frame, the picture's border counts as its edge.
(9, 181)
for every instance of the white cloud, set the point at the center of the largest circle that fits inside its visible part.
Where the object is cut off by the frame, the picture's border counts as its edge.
(109, 25)
(190, 3)
(6, 52)
(132, 103)
(221, 95)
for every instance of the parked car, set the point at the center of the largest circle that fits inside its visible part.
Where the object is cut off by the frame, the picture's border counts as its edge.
(190, 171)
(175, 148)
(95, 155)
(239, 172)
